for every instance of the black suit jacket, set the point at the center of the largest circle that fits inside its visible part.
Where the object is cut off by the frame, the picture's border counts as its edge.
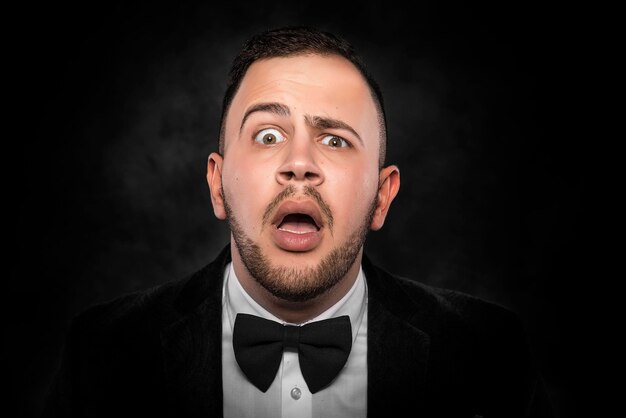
(431, 353)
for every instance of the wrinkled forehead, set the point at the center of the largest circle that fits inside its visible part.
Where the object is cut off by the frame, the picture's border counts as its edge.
(314, 85)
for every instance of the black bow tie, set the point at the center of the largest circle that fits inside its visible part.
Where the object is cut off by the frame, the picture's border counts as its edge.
(323, 348)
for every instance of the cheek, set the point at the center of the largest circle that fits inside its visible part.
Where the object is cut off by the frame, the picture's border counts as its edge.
(240, 173)
(247, 188)
(353, 191)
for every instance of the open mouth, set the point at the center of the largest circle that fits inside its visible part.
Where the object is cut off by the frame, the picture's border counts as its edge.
(298, 226)
(298, 223)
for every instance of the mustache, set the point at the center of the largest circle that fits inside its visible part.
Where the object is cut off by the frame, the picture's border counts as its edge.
(308, 191)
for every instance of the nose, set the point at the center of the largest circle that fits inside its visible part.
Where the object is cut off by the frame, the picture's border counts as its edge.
(300, 164)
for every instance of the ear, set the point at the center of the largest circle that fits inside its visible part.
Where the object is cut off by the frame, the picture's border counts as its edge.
(388, 187)
(214, 179)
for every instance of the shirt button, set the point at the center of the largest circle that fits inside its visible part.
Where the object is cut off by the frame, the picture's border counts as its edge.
(296, 393)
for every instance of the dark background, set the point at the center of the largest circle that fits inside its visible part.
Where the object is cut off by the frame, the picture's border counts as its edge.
(114, 110)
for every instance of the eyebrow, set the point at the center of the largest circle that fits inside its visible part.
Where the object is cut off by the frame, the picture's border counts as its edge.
(316, 122)
(321, 123)
(275, 108)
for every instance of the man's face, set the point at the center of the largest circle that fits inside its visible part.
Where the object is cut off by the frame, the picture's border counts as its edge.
(299, 174)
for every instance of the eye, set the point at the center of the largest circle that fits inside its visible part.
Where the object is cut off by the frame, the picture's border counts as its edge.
(335, 141)
(269, 136)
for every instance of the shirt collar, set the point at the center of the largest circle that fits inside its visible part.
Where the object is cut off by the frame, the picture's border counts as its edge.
(237, 300)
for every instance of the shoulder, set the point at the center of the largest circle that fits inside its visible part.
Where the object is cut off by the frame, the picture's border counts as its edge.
(135, 317)
(142, 315)
(157, 307)
(474, 343)
(473, 311)
(443, 312)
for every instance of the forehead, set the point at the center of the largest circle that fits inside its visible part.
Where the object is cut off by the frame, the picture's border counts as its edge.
(313, 69)
(316, 85)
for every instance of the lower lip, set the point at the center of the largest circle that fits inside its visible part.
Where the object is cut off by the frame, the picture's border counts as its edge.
(290, 241)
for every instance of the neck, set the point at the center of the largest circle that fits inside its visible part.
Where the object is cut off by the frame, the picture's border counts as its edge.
(289, 311)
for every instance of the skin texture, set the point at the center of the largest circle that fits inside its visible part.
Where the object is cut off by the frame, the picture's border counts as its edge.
(302, 135)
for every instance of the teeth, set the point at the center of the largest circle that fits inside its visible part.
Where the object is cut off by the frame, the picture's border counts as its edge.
(294, 232)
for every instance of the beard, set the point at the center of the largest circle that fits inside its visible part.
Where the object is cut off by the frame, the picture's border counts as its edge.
(299, 283)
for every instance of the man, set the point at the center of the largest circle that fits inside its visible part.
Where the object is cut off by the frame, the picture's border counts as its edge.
(292, 319)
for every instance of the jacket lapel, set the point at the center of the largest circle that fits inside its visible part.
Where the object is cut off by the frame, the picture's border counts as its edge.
(397, 350)
(192, 345)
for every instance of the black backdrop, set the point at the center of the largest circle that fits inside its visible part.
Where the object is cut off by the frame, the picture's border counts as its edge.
(116, 110)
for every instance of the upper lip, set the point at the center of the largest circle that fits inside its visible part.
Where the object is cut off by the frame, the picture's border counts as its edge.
(304, 207)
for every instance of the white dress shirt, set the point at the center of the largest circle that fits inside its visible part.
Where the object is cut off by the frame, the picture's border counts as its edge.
(288, 395)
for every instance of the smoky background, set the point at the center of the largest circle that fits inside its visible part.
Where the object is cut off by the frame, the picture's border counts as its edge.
(115, 109)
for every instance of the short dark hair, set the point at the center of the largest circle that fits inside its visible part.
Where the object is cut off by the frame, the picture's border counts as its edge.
(298, 40)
